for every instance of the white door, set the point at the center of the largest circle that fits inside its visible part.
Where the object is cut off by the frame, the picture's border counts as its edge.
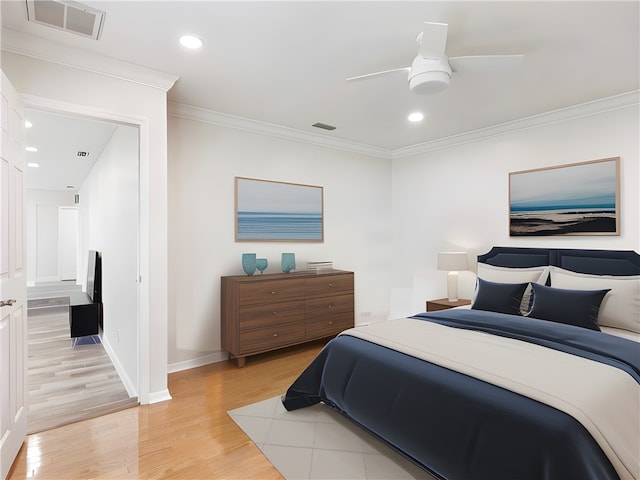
(13, 279)
(67, 242)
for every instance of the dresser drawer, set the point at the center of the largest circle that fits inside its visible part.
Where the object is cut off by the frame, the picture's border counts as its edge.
(329, 285)
(270, 291)
(257, 316)
(329, 325)
(267, 338)
(317, 307)
(259, 313)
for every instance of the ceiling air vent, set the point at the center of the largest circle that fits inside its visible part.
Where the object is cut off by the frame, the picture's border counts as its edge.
(67, 15)
(323, 126)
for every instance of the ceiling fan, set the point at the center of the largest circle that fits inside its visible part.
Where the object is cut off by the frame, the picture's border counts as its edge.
(431, 70)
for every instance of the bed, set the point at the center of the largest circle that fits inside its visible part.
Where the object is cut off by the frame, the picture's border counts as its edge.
(539, 379)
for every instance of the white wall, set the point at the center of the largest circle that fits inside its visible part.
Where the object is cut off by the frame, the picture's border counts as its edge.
(109, 224)
(203, 161)
(456, 198)
(63, 88)
(42, 233)
(384, 220)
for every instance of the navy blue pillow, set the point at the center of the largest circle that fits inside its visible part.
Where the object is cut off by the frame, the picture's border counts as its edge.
(499, 297)
(573, 307)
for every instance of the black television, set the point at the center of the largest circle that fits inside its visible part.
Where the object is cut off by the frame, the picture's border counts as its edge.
(94, 276)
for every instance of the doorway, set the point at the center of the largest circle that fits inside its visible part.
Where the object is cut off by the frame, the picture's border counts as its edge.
(93, 175)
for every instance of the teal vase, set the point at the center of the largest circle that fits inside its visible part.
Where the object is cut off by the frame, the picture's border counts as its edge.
(261, 264)
(249, 263)
(288, 262)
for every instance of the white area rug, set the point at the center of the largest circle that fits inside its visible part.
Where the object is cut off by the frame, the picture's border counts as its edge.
(318, 443)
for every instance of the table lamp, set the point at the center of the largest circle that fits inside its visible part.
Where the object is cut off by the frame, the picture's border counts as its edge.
(453, 262)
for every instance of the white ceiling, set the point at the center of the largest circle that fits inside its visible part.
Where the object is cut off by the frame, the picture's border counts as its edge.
(285, 63)
(67, 149)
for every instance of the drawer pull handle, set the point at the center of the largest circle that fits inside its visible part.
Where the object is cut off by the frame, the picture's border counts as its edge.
(274, 313)
(331, 284)
(330, 322)
(275, 334)
(273, 292)
(331, 305)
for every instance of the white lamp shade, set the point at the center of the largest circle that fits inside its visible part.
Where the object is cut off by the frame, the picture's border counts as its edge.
(453, 261)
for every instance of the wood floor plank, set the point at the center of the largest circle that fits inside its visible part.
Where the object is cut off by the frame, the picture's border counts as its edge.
(67, 381)
(188, 437)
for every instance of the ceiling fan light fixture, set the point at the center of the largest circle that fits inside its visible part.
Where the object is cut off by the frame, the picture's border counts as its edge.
(429, 74)
(429, 82)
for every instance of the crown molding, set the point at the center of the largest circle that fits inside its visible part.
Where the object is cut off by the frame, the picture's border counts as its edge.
(615, 102)
(41, 49)
(240, 123)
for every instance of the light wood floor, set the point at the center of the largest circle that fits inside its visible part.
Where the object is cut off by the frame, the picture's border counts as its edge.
(189, 437)
(68, 380)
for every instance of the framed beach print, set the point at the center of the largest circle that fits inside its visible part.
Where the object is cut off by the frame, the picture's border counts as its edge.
(574, 199)
(267, 210)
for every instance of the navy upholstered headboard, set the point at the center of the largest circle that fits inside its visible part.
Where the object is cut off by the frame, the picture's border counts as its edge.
(597, 262)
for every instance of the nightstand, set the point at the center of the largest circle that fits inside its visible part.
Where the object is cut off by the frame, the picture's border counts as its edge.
(444, 304)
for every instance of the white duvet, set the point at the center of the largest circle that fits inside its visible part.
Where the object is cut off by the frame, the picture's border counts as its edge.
(604, 399)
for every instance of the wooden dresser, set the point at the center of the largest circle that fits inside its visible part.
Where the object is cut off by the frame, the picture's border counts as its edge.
(260, 313)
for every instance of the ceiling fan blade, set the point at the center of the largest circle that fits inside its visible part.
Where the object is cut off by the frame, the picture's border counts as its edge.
(379, 74)
(433, 39)
(484, 63)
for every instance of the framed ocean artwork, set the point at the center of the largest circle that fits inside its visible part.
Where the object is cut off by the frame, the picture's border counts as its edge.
(574, 199)
(267, 210)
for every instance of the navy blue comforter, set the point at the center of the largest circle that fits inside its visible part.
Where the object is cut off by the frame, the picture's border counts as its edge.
(455, 426)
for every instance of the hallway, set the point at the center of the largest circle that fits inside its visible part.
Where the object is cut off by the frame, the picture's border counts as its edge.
(69, 379)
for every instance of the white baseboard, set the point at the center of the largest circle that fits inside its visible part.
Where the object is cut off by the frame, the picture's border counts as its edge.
(47, 279)
(162, 396)
(198, 362)
(132, 389)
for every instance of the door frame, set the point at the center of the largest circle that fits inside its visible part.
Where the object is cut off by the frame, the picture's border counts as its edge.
(143, 317)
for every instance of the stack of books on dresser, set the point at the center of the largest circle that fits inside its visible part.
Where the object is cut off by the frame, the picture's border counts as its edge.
(319, 266)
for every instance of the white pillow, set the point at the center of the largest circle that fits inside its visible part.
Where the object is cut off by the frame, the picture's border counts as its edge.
(513, 275)
(620, 307)
(492, 273)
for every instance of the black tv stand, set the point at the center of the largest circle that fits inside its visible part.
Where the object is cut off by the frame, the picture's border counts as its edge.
(84, 315)
(85, 309)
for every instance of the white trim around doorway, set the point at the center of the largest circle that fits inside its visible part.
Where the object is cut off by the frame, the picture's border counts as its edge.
(144, 294)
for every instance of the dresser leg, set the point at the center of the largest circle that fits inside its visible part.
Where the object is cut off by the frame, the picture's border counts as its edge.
(239, 360)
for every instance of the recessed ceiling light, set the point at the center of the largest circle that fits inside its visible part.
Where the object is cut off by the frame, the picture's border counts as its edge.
(33, 165)
(416, 117)
(32, 149)
(28, 124)
(190, 41)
